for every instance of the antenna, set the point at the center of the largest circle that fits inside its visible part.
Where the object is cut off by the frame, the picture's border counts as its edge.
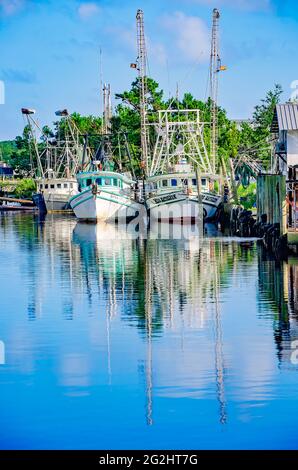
(215, 68)
(107, 109)
(143, 86)
(101, 93)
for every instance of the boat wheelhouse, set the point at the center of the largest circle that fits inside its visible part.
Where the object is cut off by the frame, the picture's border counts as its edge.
(57, 192)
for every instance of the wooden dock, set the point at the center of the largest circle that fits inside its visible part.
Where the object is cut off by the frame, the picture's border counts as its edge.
(272, 203)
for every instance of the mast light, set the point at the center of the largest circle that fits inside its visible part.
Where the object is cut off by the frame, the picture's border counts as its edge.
(62, 112)
(28, 111)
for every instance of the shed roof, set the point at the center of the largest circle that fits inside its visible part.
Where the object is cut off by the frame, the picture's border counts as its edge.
(285, 117)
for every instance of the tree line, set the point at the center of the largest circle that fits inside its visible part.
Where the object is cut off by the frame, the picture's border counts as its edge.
(247, 138)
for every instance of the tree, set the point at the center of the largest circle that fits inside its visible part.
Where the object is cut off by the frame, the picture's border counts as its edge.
(255, 137)
(252, 139)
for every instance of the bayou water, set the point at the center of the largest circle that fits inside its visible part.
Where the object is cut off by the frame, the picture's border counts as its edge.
(110, 341)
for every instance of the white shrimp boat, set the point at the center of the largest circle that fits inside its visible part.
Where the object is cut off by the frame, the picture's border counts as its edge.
(180, 139)
(57, 162)
(107, 196)
(174, 197)
(57, 192)
(174, 191)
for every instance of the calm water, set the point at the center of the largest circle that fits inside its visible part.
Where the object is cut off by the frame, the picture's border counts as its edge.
(112, 342)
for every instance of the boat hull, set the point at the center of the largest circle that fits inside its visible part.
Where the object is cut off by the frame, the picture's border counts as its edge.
(56, 202)
(211, 203)
(105, 206)
(174, 207)
(39, 202)
(179, 206)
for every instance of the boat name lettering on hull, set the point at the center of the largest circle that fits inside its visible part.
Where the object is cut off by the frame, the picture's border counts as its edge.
(170, 197)
(210, 198)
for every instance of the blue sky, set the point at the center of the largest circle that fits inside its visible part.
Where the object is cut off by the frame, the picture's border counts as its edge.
(49, 52)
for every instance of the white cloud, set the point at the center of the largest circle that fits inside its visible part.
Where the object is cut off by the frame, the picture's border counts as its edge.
(191, 36)
(9, 7)
(157, 51)
(250, 5)
(87, 10)
(127, 38)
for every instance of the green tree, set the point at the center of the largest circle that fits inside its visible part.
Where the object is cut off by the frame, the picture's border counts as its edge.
(255, 137)
(252, 139)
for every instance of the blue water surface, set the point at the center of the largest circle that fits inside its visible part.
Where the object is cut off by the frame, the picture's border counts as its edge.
(118, 342)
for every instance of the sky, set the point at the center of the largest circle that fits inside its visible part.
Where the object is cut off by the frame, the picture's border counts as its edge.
(50, 52)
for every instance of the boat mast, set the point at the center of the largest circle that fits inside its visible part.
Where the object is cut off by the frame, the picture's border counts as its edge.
(69, 149)
(33, 126)
(142, 67)
(214, 69)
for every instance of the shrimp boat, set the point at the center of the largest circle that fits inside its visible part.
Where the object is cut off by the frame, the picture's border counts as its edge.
(106, 196)
(179, 173)
(174, 190)
(57, 192)
(179, 196)
(57, 163)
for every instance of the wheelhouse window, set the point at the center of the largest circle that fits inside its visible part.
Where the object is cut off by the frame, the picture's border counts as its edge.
(40, 186)
(88, 182)
(107, 181)
(65, 185)
(58, 185)
(194, 182)
(115, 182)
(52, 186)
(173, 182)
(46, 186)
(71, 185)
(203, 181)
(99, 181)
(165, 183)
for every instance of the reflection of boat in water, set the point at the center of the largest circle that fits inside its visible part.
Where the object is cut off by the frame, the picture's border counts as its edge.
(166, 231)
(158, 289)
(159, 309)
(168, 275)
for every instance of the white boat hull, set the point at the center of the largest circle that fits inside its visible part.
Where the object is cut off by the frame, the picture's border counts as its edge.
(105, 206)
(211, 203)
(174, 206)
(56, 202)
(178, 206)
